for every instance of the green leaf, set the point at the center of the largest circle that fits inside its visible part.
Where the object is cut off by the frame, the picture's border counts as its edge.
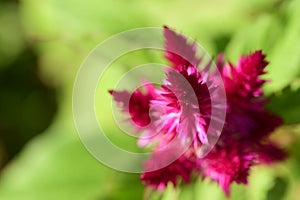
(286, 104)
(294, 152)
(279, 189)
(284, 58)
(261, 34)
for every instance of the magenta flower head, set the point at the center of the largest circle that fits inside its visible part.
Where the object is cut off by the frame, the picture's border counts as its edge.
(187, 106)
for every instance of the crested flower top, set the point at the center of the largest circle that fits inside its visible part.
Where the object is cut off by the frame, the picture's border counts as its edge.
(182, 107)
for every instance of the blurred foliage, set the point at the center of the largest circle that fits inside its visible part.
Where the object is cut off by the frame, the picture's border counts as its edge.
(278, 190)
(27, 105)
(288, 99)
(11, 34)
(43, 43)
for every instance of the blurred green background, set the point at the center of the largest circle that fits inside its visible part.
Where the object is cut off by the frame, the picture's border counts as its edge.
(43, 43)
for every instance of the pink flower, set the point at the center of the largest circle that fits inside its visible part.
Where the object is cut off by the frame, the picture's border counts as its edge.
(186, 102)
(182, 105)
(182, 108)
(179, 170)
(244, 140)
(245, 98)
(226, 164)
(136, 104)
